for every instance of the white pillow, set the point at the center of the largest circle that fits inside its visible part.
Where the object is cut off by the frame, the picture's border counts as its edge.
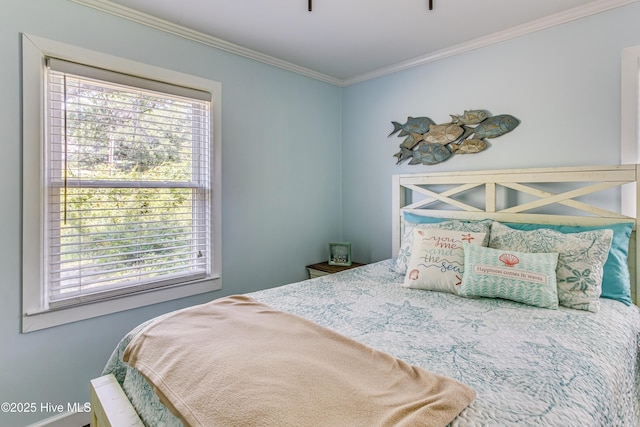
(404, 254)
(437, 259)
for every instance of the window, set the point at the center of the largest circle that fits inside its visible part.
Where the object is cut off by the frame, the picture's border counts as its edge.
(128, 185)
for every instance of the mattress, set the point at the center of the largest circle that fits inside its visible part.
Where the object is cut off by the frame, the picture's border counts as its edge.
(528, 365)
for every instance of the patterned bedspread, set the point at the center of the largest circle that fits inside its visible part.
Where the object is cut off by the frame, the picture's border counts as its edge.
(529, 366)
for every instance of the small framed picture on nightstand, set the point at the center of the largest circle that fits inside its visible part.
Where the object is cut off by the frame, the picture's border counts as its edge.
(340, 253)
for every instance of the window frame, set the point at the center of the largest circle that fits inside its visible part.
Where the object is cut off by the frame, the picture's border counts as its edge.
(34, 314)
(629, 120)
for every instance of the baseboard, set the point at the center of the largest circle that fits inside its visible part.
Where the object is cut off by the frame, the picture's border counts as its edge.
(65, 419)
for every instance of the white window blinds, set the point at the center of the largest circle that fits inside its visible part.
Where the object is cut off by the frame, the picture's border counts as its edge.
(127, 184)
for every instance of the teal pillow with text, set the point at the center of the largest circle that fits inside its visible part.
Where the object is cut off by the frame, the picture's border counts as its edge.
(529, 278)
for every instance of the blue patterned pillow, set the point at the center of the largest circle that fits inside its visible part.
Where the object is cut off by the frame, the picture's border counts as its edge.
(529, 278)
(616, 281)
(580, 263)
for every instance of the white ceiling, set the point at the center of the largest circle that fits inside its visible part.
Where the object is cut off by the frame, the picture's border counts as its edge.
(350, 40)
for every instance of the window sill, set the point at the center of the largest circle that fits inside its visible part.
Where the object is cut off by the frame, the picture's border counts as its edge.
(48, 319)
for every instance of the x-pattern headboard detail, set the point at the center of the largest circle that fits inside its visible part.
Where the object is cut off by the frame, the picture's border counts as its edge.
(506, 195)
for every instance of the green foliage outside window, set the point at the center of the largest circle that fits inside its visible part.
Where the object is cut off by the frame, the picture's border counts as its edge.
(114, 218)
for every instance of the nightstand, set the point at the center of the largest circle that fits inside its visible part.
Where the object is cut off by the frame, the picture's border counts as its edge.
(323, 268)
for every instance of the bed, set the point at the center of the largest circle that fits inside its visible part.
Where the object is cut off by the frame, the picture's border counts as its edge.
(562, 350)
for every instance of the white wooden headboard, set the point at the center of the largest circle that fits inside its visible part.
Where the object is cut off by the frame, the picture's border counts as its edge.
(524, 195)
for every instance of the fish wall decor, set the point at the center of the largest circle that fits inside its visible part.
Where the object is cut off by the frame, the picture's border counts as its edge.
(428, 143)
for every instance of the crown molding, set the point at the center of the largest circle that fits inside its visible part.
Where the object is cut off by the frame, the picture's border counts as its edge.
(497, 37)
(576, 13)
(197, 36)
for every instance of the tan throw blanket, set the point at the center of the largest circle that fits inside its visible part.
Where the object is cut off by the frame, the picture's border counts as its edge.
(238, 362)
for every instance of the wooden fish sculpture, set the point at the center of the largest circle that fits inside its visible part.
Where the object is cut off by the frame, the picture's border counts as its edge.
(470, 117)
(429, 143)
(430, 154)
(412, 140)
(400, 157)
(403, 155)
(495, 126)
(413, 124)
(443, 134)
(469, 146)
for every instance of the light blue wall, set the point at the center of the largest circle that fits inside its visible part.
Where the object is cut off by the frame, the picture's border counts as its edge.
(281, 140)
(563, 83)
(287, 136)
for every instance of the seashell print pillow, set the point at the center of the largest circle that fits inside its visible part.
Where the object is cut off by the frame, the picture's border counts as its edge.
(529, 278)
(404, 254)
(437, 259)
(580, 263)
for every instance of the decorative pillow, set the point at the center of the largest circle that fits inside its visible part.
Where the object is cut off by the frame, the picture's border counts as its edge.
(580, 263)
(616, 281)
(437, 259)
(404, 254)
(529, 278)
